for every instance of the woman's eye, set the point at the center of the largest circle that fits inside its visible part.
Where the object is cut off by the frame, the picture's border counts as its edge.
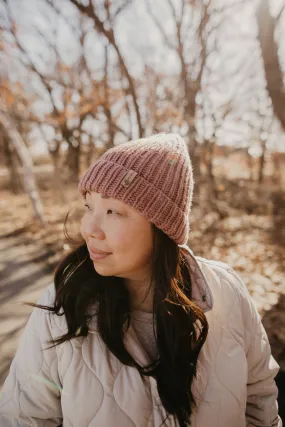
(111, 210)
(108, 210)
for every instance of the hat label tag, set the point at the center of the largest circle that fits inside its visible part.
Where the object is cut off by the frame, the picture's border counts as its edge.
(129, 177)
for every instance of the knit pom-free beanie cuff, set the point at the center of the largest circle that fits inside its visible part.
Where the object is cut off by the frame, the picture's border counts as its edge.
(107, 177)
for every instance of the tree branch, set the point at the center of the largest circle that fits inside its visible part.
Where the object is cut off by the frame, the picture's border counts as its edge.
(160, 28)
(109, 35)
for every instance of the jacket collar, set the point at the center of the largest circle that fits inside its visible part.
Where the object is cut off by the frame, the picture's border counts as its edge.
(201, 291)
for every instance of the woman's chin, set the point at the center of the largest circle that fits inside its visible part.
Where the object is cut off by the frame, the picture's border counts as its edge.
(103, 270)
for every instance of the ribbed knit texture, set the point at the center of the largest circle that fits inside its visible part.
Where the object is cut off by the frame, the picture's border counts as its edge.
(153, 175)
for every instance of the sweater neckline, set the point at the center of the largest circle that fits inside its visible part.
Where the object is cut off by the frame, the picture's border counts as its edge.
(142, 316)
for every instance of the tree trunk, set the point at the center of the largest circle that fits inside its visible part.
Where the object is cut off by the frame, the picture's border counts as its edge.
(57, 178)
(106, 105)
(191, 91)
(210, 159)
(211, 182)
(23, 153)
(273, 71)
(195, 158)
(261, 163)
(89, 152)
(250, 165)
(15, 182)
(72, 162)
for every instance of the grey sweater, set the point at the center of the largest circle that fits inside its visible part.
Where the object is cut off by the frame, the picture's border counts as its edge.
(143, 325)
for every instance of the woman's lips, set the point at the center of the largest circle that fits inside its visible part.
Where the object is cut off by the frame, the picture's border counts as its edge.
(96, 255)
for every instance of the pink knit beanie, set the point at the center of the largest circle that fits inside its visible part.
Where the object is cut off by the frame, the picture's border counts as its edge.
(153, 175)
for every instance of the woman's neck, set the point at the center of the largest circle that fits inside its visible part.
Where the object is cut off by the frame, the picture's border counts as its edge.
(141, 297)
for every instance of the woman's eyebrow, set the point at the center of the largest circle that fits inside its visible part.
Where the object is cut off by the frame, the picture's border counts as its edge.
(116, 201)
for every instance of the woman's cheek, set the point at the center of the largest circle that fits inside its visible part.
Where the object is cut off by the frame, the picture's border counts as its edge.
(120, 238)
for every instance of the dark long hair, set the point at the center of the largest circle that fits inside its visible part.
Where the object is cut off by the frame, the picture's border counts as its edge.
(182, 327)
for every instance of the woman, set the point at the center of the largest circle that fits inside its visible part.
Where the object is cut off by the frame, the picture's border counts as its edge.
(146, 333)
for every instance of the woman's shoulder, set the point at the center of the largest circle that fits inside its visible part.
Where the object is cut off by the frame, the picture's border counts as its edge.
(225, 283)
(216, 278)
(223, 271)
(233, 305)
(47, 296)
(56, 323)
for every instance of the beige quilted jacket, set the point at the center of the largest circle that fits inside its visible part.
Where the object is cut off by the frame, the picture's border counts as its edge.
(73, 386)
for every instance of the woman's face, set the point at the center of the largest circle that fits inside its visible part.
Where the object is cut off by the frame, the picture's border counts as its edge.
(112, 226)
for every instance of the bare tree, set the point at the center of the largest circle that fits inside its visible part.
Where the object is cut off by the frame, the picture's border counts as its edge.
(106, 29)
(193, 66)
(11, 160)
(107, 109)
(191, 82)
(15, 105)
(269, 49)
(71, 80)
(23, 153)
(65, 83)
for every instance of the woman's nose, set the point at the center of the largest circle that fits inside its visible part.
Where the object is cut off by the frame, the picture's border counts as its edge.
(92, 227)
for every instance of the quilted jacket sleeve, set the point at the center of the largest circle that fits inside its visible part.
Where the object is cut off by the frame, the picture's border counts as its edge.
(262, 392)
(31, 392)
